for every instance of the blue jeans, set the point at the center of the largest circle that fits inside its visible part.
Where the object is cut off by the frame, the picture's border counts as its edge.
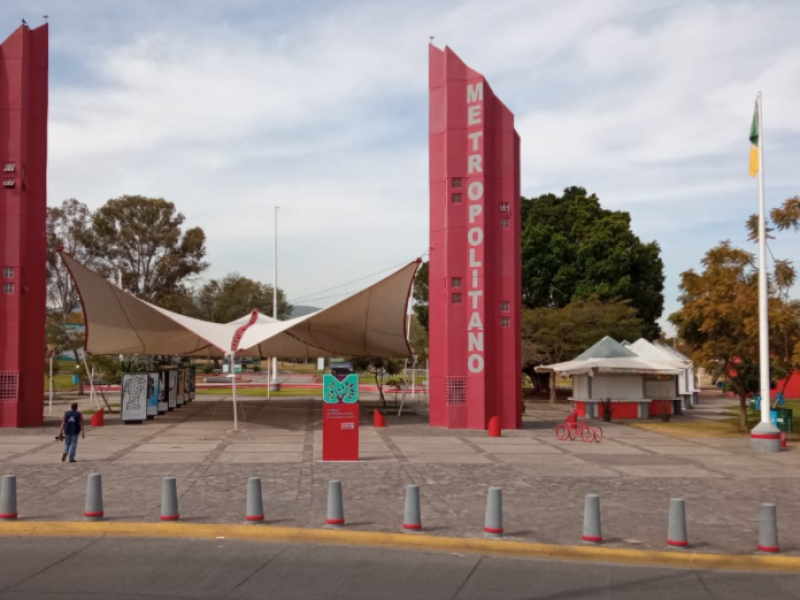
(71, 444)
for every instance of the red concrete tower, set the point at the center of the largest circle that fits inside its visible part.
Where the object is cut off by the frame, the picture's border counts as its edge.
(23, 210)
(475, 256)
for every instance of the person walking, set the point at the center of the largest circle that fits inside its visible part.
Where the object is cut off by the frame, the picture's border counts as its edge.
(71, 428)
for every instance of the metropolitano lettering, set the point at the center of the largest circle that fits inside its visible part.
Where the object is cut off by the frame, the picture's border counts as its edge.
(475, 237)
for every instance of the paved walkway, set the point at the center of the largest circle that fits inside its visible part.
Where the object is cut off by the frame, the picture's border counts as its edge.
(544, 480)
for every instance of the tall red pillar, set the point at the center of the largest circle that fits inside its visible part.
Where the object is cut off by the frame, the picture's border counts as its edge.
(23, 213)
(475, 255)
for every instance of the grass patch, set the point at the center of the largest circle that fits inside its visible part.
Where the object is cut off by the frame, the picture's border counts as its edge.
(727, 428)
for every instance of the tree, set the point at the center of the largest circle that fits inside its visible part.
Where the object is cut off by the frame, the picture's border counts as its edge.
(227, 299)
(572, 248)
(144, 239)
(786, 352)
(421, 294)
(719, 318)
(68, 229)
(552, 335)
(380, 367)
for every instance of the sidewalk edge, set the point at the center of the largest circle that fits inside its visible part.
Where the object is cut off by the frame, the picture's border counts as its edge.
(675, 559)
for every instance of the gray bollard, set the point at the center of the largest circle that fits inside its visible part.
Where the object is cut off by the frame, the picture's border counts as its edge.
(255, 504)
(412, 519)
(493, 525)
(93, 510)
(169, 499)
(768, 528)
(591, 519)
(676, 530)
(8, 498)
(335, 503)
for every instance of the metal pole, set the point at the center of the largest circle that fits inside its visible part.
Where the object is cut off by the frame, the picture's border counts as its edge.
(233, 379)
(275, 296)
(763, 317)
(50, 406)
(268, 364)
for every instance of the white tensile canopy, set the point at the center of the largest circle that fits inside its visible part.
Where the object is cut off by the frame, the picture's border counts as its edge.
(371, 322)
(610, 357)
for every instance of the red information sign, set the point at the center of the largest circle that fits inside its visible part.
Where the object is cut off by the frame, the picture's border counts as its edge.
(340, 431)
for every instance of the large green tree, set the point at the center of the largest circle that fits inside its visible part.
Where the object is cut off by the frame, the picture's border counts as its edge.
(223, 300)
(572, 248)
(144, 238)
(421, 293)
(68, 229)
(551, 335)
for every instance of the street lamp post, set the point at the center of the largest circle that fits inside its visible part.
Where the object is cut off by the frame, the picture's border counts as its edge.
(275, 296)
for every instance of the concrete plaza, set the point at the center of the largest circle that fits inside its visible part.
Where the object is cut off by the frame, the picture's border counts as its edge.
(544, 480)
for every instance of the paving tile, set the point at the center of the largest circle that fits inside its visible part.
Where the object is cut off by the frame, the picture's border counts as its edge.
(658, 471)
(448, 458)
(602, 448)
(688, 450)
(165, 458)
(520, 449)
(263, 448)
(253, 457)
(172, 448)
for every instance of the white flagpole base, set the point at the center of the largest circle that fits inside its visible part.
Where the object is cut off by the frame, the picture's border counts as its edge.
(765, 438)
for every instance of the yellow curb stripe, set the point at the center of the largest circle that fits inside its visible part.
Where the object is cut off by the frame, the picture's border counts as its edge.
(496, 547)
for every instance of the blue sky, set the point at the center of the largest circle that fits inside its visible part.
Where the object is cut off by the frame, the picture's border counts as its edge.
(228, 108)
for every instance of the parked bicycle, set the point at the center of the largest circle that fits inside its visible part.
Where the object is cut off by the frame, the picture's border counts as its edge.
(572, 428)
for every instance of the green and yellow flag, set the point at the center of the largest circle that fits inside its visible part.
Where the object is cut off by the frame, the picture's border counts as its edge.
(754, 133)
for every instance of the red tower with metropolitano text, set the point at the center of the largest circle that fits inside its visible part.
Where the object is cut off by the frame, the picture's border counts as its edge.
(475, 254)
(23, 214)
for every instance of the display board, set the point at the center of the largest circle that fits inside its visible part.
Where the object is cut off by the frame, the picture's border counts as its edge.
(340, 414)
(134, 397)
(181, 397)
(153, 385)
(163, 390)
(172, 389)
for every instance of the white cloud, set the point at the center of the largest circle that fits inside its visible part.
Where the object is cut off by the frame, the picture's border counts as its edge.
(230, 108)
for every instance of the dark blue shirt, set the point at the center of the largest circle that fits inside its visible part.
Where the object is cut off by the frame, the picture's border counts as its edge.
(72, 422)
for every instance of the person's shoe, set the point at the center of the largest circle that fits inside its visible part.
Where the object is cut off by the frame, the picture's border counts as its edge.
(64, 457)
(72, 460)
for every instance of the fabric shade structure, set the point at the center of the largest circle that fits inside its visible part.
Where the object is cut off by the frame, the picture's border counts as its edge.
(371, 322)
(610, 357)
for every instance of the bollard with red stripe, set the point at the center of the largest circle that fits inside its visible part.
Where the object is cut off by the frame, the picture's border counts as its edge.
(8, 498)
(768, 529)
(169, 499)
(412, 519)
(93, 510)
(493, 525)
(591, 520)
(255, 504)
(676, 530)
(335, 515)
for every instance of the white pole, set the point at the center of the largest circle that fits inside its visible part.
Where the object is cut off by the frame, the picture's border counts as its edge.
(233, 379)
(50, 406)
(414, 379)
(268, 363)
(763, 317)
(275, 296)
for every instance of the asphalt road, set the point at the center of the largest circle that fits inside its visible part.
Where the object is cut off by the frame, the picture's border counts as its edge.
(116, 569)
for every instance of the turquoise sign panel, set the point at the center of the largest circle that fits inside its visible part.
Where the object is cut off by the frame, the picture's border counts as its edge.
(335, 391)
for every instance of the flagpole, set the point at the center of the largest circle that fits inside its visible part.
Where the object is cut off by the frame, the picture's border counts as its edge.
(765, 436)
